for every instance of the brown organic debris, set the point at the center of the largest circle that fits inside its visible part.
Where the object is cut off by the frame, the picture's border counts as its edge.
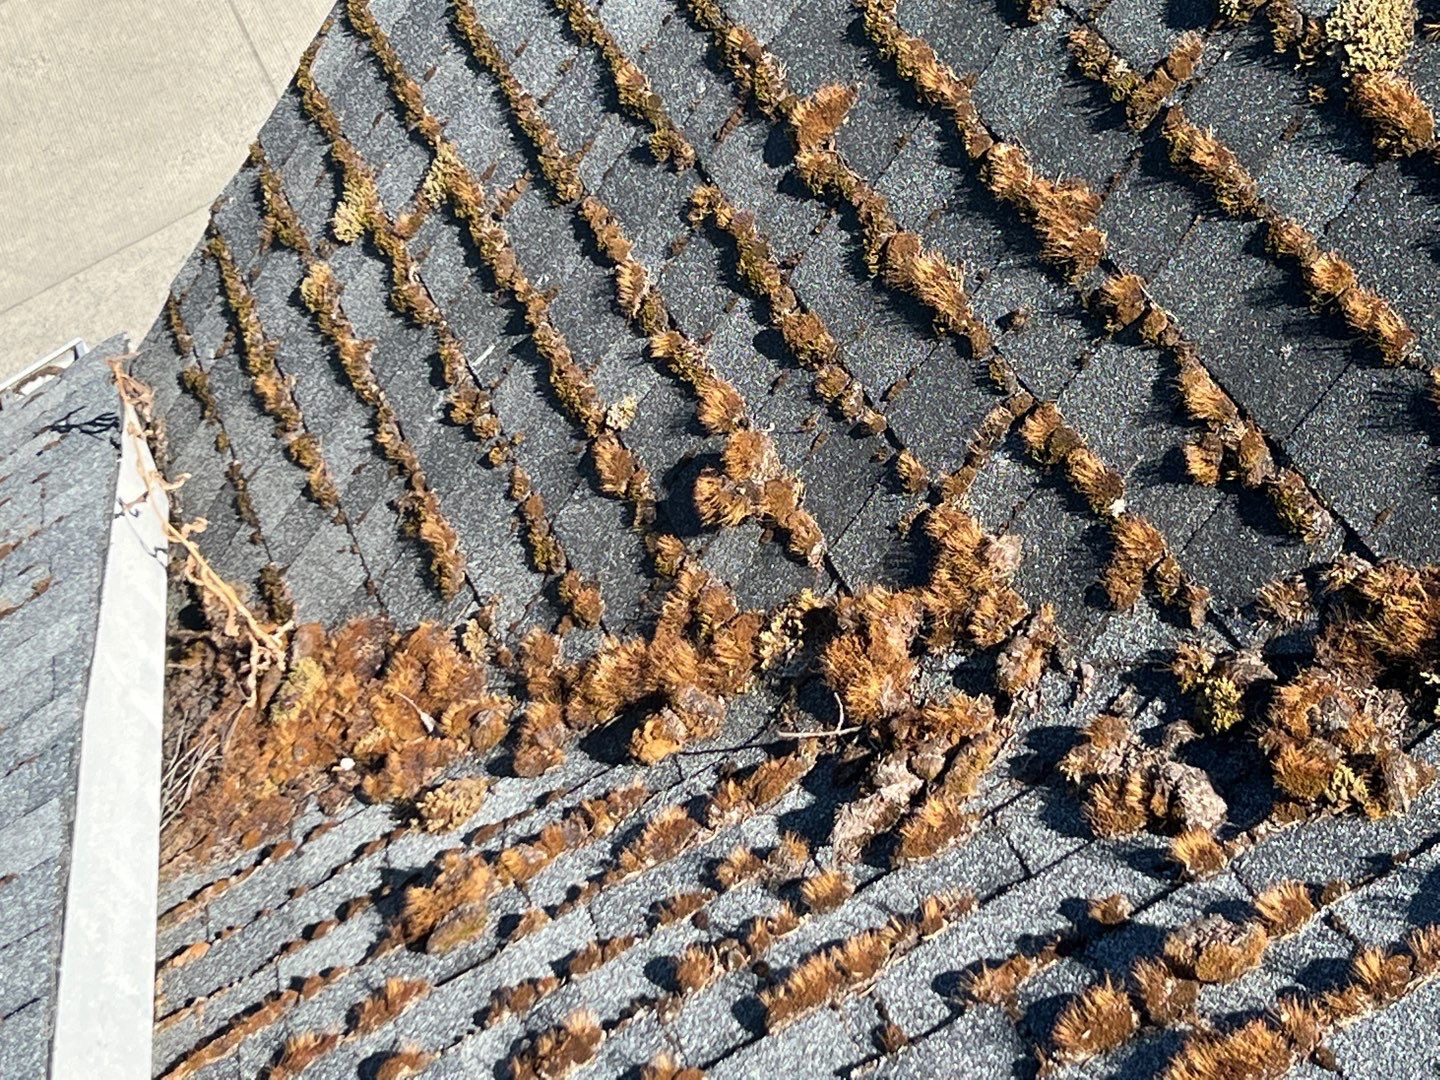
(1096, 1022)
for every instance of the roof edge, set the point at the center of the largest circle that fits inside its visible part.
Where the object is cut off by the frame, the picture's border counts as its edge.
(104, 1010)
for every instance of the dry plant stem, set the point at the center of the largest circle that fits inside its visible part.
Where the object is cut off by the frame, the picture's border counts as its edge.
(264, 638)
(266, 643)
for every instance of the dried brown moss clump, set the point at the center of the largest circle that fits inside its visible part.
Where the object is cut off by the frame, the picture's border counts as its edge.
(752, 483)
(539, 539)
(558, 1051)
(845, 968)
(949, 742)
(1332, 284)
(179, 332)
(1217, 684)
(361, 213)
(1293, 30)
(594, 819)
(1234, 448)
(404, 1063)
(968, 599)
(1121, 299)
(665, 1067)
(1198, 153)
(1139, 553)
(758, 74)
(1111, 910)
(1333, 735)
(1400, 123)
(449, 179)
(300, 1052)
(999, 984)
(451, 910)
(804, 333)
(1285, 600)
(1128, 786)
(702, 651)
(1237, 11)
(420, 511)
(937, 824)
(1284, 907)
(1024, 659)
(811, 123)
(362, 710)
(1198, 854)
(869, 663)
(582, 599)
(451, 804)
(1371, 35)
(386, 1003)
(1099, 1020)
(637, 96)
(1061, 212)
(274, 390)
(998, 423)
(561, 170)
(927, 276)
(1255, 1049)
(1050, 441)
(826, 890)
(1142, 97)
(1265, 1048)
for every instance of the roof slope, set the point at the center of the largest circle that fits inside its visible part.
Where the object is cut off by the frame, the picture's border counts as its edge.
(60, 459)
(465, 338)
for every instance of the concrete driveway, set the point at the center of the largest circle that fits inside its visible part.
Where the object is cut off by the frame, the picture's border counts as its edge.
(120, 121)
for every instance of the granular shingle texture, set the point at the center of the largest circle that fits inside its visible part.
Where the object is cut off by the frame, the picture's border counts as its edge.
(858, 538)
(61, 437)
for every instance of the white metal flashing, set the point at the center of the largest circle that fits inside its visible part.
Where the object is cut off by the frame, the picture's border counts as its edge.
(34, 375)
(105, 1001)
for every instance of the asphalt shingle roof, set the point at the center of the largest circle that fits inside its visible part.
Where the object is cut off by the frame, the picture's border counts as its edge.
(265, 947)
(59, 461)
